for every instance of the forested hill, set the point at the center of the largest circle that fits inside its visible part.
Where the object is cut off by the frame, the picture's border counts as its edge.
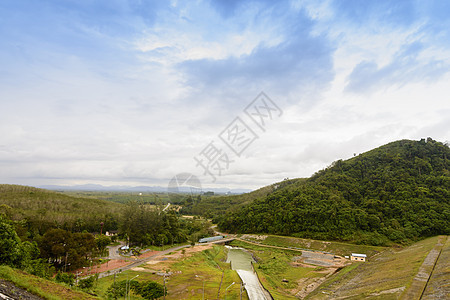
(217, 205)
(43, 209)
(398, 192)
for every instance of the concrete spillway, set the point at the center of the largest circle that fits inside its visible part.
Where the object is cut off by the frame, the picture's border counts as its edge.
(241, 262)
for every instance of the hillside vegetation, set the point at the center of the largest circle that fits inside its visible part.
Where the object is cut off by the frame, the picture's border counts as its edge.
(42, 209)
(395, 193)
(213, 206)
(41, 287)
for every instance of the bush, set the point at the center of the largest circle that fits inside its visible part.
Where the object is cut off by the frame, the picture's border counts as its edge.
(87, 283)
(118, 289)
(152, 290)
(66, 278)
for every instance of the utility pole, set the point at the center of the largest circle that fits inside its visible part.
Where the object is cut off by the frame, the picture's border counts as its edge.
(127, 290)
(226, 290)
(241, 290)
(65, 263)
(164, 295)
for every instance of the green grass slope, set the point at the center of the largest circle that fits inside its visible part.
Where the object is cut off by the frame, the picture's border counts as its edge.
(387, 276)
(41, 287)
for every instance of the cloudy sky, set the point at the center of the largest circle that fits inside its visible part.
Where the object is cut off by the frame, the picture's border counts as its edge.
(134, 92)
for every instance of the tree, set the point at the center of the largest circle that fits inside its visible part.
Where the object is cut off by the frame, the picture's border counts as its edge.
(11, 251)
(87, 283)
(152, 290)
(65, 249)
(66, 278)
(102, 242)
(119, 289)
(116, 290)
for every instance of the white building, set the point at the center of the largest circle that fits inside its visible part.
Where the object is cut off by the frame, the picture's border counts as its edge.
(358, 257)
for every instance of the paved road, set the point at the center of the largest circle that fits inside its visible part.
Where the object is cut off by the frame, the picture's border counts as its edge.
(164, 209)
(114, 251)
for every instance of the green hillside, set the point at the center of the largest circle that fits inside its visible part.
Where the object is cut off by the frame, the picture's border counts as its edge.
(40, 210)
(212, 206)
(46, 289)
(398, 192)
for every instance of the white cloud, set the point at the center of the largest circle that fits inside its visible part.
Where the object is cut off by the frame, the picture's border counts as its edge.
(130, 97)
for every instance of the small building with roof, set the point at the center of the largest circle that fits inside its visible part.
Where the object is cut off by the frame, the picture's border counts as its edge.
(210, 239)
(358, 257)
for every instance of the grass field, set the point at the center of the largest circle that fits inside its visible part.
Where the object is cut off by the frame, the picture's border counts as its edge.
(439, 285)
(277, 272)
(189, 272)
(385, 276)
(325, 246)
(41, 287)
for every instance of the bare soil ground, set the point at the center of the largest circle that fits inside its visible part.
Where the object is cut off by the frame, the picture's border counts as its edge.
(164, 261)
(113, 264)
(310, 284)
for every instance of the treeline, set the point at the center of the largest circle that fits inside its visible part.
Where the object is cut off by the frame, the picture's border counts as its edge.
(218, 205)
(39, 210)
(143, 225)
(396, 193)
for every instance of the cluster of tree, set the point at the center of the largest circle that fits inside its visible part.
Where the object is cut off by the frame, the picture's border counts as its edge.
(23, 255)
(211, 206)
(147, 290)
(398, 192)
(57, 248)
(43, 231)
(68, 251)
(144, 225)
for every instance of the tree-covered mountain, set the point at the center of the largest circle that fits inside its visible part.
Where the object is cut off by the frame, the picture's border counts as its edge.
(397, 192)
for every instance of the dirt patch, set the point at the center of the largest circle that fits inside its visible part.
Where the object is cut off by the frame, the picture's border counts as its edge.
(108, 266)
(309, 258)
(254, 237)
(148, 254)
(195, 249)
(163, 261)
(391, 291)
(299, 264)
(307, 285)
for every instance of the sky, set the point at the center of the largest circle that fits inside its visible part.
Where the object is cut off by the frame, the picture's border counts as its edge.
(240, 94)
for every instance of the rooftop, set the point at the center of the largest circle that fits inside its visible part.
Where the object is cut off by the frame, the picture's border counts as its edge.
(359, 255)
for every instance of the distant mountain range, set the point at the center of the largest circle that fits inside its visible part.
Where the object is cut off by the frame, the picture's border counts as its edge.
(142, 189)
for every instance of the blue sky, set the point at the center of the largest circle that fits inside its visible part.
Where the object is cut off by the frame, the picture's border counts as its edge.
(129, 92)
